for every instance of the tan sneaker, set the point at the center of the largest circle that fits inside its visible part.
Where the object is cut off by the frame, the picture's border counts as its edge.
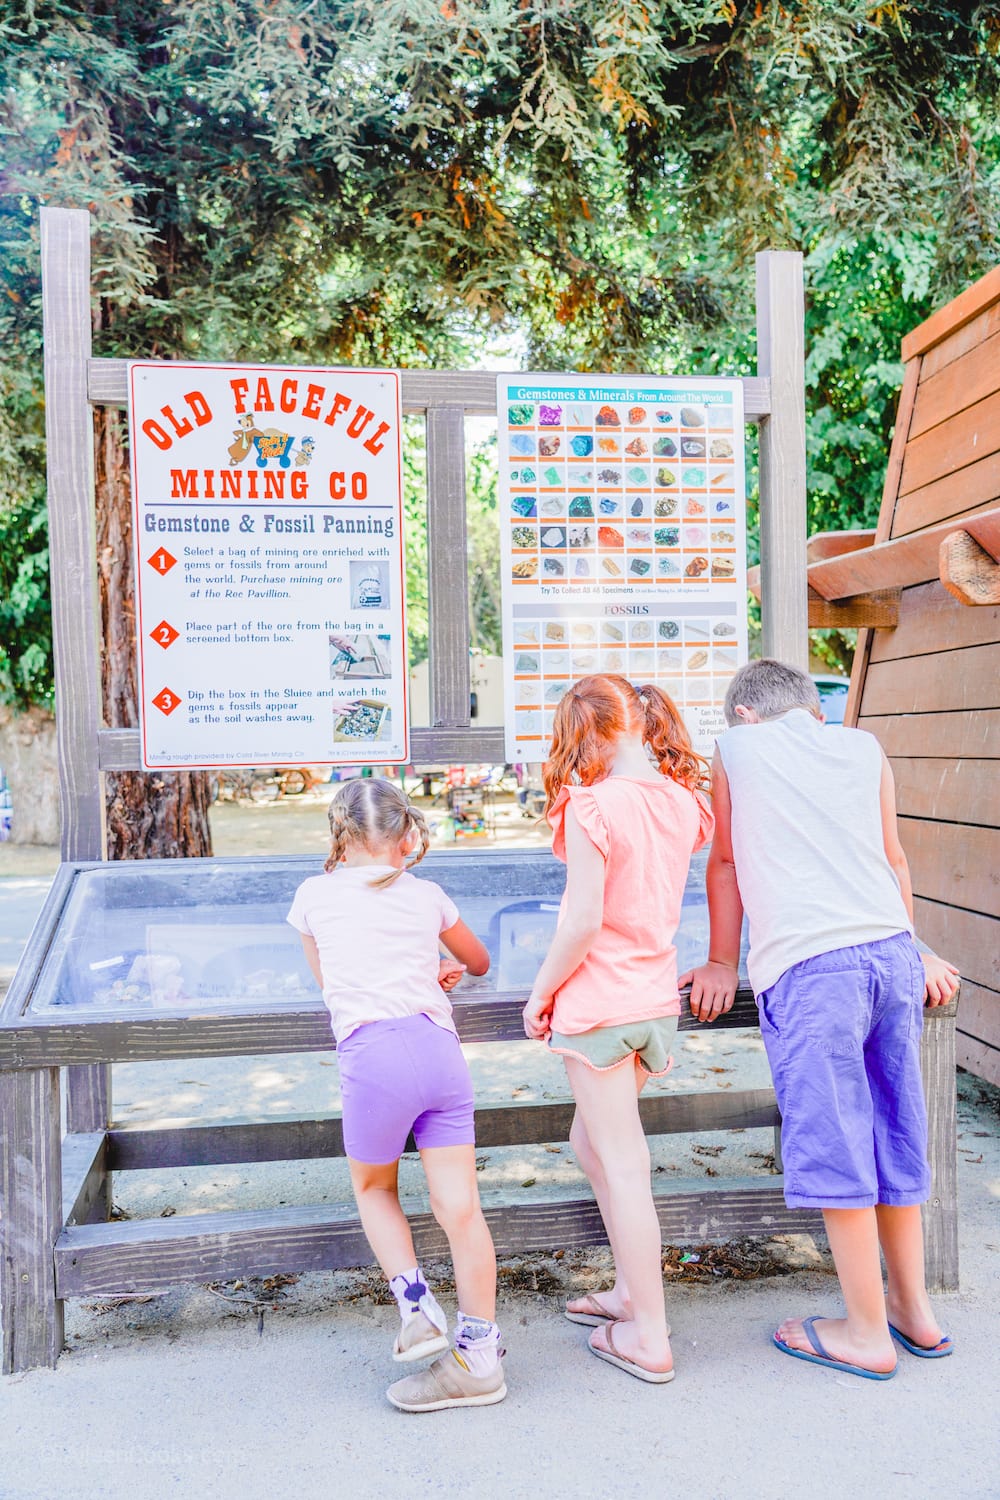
(418, 1339)
(447, 1383)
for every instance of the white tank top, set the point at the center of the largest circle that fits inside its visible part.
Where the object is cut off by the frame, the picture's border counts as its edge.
(807, 841)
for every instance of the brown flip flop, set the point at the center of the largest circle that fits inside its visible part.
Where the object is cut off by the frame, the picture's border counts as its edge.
(613, 1356)
(598, 1317)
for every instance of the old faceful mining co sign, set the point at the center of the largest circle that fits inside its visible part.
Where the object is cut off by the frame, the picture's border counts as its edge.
(269, 565)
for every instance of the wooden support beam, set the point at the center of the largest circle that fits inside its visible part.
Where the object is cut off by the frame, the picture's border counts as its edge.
(469, 390)
(151, 1255)
(824, 544)
(781, 358)
(940, 1214)
(902, 561)
(233, 1031)
(968, 571)
(31, 1201)
(507, 1124)
(879, 610)
(85, 1180)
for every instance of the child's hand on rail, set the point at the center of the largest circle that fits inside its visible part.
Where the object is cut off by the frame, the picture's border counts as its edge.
(537, 1016)
(713, 989)
(941, 979)
(450, 972)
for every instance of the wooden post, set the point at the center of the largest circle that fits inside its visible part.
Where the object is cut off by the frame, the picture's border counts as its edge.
(781, 358)
(937, 1064)
(69, 442)
(447, 568)
(31, 1200)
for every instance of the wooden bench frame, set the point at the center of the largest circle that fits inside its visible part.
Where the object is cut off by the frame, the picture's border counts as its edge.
(55, 1193)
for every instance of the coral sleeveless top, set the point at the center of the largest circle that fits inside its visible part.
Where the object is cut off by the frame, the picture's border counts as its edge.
(646, 832)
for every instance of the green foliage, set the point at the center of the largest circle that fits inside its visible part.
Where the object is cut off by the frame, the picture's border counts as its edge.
(411, 181)
(25, 617)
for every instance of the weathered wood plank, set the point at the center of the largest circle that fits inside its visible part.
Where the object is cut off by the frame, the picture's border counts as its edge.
(952, 791)
(974, 488)
(505, 1124)
(903, 561)
(963, 382)
(69, 448)
(952, 445)
(470, 390)
(931, 620)
(883, 528)
(967, 939)
(241, 1033)
(979, 1014)
(154, 1255)
(978, 1057)
(960, 310)
(31, 1198)
(119, 748)
(940, 1213)
(447, 569)
(780, 356)
(944, 681)
(971, 733)
(85, 1180)
(954, 863)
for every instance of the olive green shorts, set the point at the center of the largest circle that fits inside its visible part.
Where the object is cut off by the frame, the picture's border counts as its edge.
(608, 1047)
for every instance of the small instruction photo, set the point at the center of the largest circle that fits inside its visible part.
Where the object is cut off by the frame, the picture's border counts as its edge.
(369, 585)
(362, 719)
(356, 656)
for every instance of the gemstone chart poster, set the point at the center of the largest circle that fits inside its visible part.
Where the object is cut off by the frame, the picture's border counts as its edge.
(623, 543)
(267, 523)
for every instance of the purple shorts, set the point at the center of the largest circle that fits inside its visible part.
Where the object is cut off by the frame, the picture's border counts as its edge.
(842, 1033)
(398, 1076)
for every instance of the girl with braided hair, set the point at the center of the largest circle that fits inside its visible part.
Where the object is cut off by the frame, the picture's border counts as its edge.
(624, 801)
(371, 932)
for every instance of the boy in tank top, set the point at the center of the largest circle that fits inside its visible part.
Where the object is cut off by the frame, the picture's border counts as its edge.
(806, 844)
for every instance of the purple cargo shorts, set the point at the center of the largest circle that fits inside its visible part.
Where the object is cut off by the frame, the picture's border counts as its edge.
(842, 1033)
(403, 1075)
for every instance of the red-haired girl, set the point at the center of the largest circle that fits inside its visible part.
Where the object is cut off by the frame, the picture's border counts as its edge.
(623, 799)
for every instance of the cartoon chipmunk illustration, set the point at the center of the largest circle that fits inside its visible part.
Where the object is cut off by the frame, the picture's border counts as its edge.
(305, 452)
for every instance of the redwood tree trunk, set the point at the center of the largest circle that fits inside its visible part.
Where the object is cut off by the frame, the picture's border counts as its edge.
(162, 814)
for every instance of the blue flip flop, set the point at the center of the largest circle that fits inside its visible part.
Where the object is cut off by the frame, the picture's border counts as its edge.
(821, 1357)
(924, 1351)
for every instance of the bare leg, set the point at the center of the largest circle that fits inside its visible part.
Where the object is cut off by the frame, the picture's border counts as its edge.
(862, 1338)
(377, 1192)
(451, 1179)
(608, 1108)
(901, 1235)
(617, 1301)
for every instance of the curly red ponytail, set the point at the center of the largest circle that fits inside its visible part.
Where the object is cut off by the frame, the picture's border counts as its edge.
(595, 713)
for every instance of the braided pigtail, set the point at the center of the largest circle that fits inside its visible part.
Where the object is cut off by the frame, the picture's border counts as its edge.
(665, 733)
(419, 822)
(338, 833)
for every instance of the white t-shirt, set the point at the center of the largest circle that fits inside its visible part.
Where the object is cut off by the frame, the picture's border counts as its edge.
(378, 949)
(807, 841)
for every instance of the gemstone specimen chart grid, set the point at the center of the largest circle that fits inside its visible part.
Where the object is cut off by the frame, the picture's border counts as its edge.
(623, 542)
(269, 565)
